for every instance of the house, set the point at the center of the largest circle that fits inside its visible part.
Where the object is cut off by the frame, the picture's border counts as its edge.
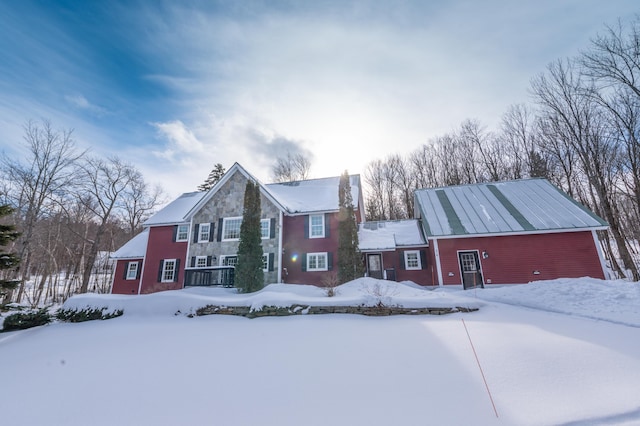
(194, 240)
(508, 233)
(470, 235)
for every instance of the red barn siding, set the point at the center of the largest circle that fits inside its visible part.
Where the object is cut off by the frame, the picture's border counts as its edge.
(161, 246)
(512, 259)
(122, 285)
(425, 276)
(295, 244)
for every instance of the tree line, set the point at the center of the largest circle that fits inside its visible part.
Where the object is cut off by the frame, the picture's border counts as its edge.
(581, 132)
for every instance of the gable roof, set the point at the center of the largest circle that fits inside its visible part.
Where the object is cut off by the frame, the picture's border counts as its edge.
(313, 195)
(519, 206)
(175, 211)
(135, 248)
(389, 235)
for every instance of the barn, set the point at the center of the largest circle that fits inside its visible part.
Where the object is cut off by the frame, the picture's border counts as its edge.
(507, 233)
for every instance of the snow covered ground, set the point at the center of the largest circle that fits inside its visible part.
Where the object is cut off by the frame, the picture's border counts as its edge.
(563, 352)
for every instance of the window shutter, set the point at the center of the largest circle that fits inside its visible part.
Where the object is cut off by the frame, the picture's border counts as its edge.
(139, 270)
(209, 260)
(175, 276)
(303, 261)
(326, 225)
(126, 270)
(401, 260)
(270, 261)
(329, 261)
(175, 233)
(212, 227)
(306, 226)
(160, 271)
(220, 229)
(196, 229)
(193, 261)
(272, 228)
(423, 259)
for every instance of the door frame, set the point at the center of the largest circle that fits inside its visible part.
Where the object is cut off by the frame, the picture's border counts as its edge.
(479, 263)
(381, 264)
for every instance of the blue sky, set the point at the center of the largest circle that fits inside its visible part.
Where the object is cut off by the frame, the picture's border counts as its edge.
(176, 87)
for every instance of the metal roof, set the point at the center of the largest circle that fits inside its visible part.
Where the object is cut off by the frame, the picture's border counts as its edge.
(519, 206)
(387, 235)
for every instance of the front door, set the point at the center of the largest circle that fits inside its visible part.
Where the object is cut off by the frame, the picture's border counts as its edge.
(470, 269)
(374, 265)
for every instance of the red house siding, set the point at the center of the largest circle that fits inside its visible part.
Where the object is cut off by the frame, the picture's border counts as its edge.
(295, 245)
(513, 259)
(161, 246)
(395, 260)
(120, 284)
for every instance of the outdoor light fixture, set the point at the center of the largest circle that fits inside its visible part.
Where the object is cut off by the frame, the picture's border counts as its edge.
(485, 255)
(536, 272)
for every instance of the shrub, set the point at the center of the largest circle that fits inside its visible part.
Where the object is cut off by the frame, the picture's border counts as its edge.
(24, 320)
(87, 314)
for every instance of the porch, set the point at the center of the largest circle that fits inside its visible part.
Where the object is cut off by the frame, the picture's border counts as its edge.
(212, 276)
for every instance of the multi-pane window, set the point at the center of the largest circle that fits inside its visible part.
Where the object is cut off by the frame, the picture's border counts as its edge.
(229, 260)
(317, 262)
(265, 228)
(183, 233)
(412, 259)
(132, 270)
(265, 262)
(204, 230)
(169, 270)
(201, 261)
(231, 228)
(316, 226)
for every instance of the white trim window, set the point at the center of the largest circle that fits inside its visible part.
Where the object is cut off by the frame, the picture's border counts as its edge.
(230, 260)
(316, 226)
(169, 270)
(132, 270)
(412, 260)
(204, 232)
(265, 228)
(317, 262)
(201, 261)
(183, 233)
(231, 228)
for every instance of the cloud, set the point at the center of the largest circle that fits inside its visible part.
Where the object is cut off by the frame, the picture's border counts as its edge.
(181, 141)
(81, 102)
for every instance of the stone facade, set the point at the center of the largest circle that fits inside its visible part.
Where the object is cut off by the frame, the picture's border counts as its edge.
(228, 202)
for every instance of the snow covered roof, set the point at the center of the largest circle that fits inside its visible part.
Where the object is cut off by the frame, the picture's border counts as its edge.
(388, 235)
(176, 210)
(313, 195)
(134, 248)
(528, 205)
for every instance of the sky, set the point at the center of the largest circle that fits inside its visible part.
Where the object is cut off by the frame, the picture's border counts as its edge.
(176, 87)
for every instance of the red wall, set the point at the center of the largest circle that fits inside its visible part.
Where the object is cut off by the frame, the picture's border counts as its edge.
(161, 246)
(122, 285)
(295, 244)
(426, 276)
(512, 259)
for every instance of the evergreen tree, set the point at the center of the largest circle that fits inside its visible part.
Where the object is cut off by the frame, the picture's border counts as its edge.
(213, 178)
(350, 264)
(249, 276)
(7, 260)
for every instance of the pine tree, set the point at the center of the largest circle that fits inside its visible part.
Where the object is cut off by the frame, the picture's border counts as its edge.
(7, 260)
(350, 264)
(249, 276)
(213, 178)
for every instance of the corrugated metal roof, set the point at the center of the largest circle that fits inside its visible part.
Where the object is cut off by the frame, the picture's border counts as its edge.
(528, 205)
(387, 235)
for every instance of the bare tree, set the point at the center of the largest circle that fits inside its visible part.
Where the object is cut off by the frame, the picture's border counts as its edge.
(291, 168)
(139, 201)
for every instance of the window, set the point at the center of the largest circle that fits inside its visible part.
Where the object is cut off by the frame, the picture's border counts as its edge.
(231, 228)
(317, 262)
(265, 262)
(265, 228)
(204, 231)
(412, 259)
(316, 226)
(169, 270)
(183, 233)
(132, 271)
(228, 260)
(201, 261)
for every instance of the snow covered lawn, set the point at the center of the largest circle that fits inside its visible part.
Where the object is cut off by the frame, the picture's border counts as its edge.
(153, 367)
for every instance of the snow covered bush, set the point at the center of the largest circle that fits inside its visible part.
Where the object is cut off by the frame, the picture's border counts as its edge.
(87, 314)
(24, 320)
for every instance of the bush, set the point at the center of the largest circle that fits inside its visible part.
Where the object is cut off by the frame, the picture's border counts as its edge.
(87, 314)
(24, 320)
